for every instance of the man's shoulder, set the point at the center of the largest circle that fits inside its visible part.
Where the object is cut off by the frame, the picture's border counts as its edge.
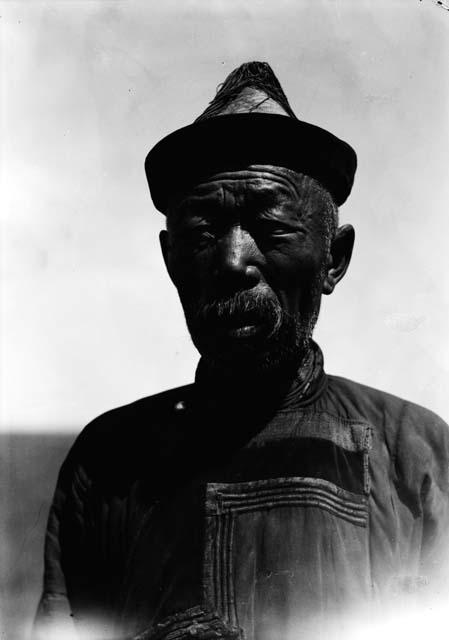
(140, 429)
(143, 413)
(387, 412)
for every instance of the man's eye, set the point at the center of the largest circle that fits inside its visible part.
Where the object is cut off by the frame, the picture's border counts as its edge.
(199, 237)
(272, 229)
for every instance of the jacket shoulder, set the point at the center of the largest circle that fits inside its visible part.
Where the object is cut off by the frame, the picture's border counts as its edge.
(122, 441)
(364, 402)
(145, 413)
(414, 436)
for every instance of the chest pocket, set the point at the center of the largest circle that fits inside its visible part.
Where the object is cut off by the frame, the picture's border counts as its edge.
(288, 550)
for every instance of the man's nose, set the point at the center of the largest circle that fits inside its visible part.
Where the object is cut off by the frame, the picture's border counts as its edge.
(236, 260)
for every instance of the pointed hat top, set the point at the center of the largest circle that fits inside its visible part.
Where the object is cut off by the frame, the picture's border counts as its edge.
(249, 121)
(251, 88)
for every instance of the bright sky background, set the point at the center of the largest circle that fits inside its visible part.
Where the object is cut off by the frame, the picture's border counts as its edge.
(89, 319)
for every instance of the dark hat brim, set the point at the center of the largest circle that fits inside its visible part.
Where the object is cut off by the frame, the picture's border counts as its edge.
(188, 155)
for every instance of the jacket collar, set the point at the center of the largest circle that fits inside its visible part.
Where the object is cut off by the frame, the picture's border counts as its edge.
(272, 395)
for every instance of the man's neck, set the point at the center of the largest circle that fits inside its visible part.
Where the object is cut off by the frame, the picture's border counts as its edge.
(259, 393)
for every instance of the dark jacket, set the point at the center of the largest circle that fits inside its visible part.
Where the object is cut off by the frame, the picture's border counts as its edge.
(167, 523)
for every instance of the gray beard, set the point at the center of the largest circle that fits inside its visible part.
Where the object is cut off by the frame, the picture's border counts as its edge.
(282, 348)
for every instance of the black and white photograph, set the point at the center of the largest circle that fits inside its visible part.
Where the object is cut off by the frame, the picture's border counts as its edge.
(224, 305)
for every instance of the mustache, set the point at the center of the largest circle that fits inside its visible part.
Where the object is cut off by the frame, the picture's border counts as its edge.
(255, 306)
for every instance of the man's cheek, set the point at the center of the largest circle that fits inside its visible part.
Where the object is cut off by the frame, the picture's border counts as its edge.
(297, 285)
(187, 272)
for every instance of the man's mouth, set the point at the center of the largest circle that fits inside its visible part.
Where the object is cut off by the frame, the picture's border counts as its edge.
(241, 326)
(241, 320)
(245, 331)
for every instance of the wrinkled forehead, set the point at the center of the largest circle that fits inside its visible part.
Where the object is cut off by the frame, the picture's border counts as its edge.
(262, 185)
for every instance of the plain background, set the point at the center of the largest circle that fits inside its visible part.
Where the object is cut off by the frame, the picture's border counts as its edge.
(89, 319)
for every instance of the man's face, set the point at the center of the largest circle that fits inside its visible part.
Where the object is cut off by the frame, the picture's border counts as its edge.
(247, 251)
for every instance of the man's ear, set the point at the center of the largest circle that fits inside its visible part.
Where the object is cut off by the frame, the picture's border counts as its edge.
(339, 257)
(165, 248)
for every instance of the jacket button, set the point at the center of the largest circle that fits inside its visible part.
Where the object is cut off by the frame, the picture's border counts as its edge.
(180, 406)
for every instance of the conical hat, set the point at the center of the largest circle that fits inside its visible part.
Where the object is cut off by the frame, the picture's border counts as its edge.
(248, 122)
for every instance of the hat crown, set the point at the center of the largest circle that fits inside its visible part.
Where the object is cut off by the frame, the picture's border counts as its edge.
(251, 88)
(248, 122)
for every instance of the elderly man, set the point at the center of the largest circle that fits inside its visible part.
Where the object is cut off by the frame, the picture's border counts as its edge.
(268, 497)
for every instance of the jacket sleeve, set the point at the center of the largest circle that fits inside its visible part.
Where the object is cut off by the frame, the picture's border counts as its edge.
(435, 505)
(54, 616)
(422, 457)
